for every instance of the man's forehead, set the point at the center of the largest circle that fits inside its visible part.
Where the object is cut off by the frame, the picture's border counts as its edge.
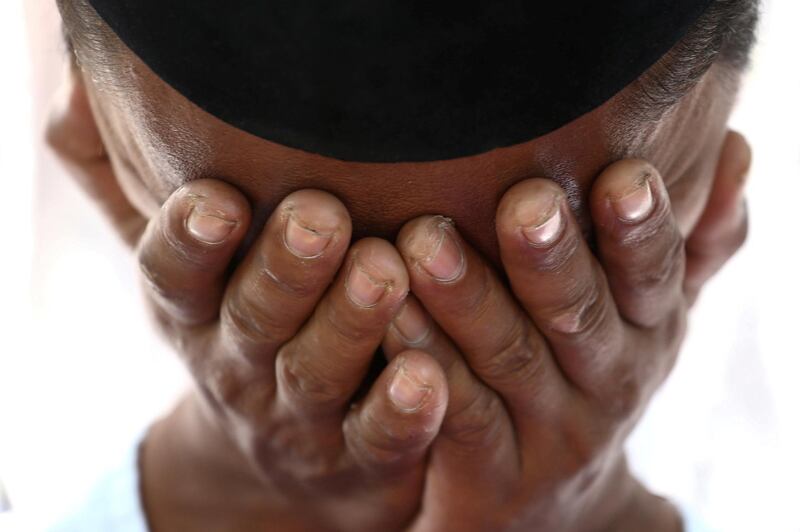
(402, 81)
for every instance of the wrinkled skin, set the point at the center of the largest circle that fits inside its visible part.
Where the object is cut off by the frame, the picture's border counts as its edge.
(524, 364)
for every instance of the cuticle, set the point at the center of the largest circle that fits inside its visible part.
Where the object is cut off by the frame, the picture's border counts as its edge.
(388, 285)
(214, 213)
(562, 228)
(413, 343)
(554, 208)
(445, 227)
(642, 181)
(428, 389)
(289, 217)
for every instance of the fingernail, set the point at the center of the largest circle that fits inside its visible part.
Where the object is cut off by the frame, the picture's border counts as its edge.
(209, 226)
(363, 289)
(304, 242)
(545, 232)
(407, 393)
(446, 261)
(411, 325)
(635, 204)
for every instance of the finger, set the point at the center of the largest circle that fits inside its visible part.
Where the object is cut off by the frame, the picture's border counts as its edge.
(722, 228)
(476, 440)
(185, 250)
(640, 244)
(284, 275)
(557, 279)
(397, 422)
(319, 370)
(467, 300)
(74, 137)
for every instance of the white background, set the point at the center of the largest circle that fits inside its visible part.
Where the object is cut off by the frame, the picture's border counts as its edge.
(81, 373)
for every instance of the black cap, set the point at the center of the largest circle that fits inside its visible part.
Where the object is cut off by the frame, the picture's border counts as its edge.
(399, 80)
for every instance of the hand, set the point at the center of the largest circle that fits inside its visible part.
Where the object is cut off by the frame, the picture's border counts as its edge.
(546, 380)
(278, 352)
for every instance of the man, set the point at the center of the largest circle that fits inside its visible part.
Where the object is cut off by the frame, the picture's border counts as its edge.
(517, 374)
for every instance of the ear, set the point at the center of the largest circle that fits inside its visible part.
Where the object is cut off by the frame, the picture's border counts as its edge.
(733, 168)
(71, 129)
(73, 135)
(722, 228)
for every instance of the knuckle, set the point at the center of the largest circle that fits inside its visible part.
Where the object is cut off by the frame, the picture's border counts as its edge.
(626, 400)
(623, 396)
(169, 293)
(477, 301)
(252, 320)
(293, 456)
(307, 383)
(582, 313)
(667, 267)
(634, 237)
(184, 250)
(557, 259)
(246, 396)
(172, 301)
(151, 275)
(298, 284)
(347, 328)
(520, 360)
(164, 244)
(159, 288)
(383, 443)
(476, 424)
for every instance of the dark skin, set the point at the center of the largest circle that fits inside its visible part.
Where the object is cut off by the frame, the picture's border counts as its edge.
(158, 140)
(522, 364)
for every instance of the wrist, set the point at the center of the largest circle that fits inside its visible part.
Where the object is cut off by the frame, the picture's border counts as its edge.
(193, 477)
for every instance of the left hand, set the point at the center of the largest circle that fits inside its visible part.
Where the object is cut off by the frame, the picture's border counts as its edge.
(546, 382)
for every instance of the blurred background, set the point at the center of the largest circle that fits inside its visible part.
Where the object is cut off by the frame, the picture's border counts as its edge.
(82, 373)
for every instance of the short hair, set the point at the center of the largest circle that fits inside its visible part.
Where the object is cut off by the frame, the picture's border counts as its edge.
(725, 33)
